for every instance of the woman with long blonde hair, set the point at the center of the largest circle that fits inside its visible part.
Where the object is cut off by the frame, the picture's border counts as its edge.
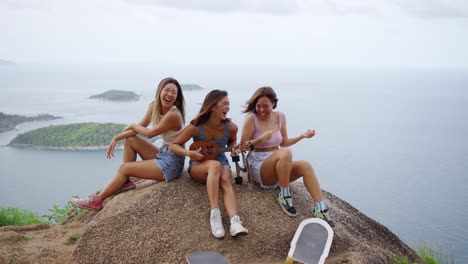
(166, 114)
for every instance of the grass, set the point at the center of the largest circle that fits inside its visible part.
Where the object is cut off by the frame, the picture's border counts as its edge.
(432, 255)
(429, 254)
(19, 217)
(72, 239)
(22, 217)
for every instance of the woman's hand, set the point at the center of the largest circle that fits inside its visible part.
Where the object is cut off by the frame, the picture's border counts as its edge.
(110, 149)
(236, 150)
(195, 154)
(266, 135)
(129, 127)
(308, 134)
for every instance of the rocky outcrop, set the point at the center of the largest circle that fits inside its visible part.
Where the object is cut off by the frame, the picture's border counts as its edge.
(161, 222)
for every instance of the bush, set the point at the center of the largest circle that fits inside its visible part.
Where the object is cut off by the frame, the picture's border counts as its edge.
(60, 214)
(20, 217)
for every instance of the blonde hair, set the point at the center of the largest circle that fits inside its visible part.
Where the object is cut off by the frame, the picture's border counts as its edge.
(179, 102)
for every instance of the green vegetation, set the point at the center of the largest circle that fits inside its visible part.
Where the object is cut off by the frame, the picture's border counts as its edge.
(191, 87)
(116, 95)
(428, 253)
(432, 255)
(60, 214)
(8, 122)
(72, 239)
(20, 217)
(80, 135)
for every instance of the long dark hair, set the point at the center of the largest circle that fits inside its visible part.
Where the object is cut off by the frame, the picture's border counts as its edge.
(260, 92)
(211, 99)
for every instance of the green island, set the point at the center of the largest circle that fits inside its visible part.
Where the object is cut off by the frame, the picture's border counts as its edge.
(191, 87)
(8, 122)
(117, 96)
(79, 136)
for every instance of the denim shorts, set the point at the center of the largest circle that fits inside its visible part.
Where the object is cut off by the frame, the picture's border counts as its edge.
(221, 158)
(170, 164)
(256, 160)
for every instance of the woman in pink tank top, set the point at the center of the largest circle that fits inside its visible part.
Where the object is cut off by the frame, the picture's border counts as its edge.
(265, 132)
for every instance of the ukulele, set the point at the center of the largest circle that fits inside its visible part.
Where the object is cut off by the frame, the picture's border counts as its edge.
(210, 150)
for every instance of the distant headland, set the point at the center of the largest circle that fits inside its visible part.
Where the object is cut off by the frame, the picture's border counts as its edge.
(7, 63)
(128, 96)
(191, 87)
(8, 122)
(117, 96)
(79, 136)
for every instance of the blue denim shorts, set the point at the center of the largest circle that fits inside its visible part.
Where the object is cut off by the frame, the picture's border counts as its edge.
(170, 164)
(221, 158)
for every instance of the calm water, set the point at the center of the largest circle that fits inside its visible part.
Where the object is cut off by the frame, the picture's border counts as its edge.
(390, 142)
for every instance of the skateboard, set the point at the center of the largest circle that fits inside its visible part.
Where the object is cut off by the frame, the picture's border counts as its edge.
(206, 257)
(311, 242)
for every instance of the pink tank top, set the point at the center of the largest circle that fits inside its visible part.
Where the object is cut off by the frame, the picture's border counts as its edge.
(276, 137)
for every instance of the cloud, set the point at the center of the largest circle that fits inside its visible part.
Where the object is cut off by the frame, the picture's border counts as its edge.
(417, 8)
(279, 7)
(434, 8)
(26, 4)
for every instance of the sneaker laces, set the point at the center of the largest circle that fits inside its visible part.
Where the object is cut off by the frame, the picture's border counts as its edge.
(216, 219)
(236, 219)
(288, 200)
(91, 199)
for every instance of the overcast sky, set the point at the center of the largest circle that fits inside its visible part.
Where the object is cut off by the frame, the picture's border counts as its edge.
(429, 33)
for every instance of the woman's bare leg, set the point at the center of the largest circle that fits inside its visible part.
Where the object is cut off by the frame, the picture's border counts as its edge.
(209, 172)
(277, 168)
(229, 197)
(146, 169)
(136, 145)
(302, 168)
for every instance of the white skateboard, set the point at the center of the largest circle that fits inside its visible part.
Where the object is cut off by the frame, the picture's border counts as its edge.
(311, 243)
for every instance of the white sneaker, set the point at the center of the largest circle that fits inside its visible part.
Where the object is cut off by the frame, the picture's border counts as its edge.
(217, 228)
(236, 228)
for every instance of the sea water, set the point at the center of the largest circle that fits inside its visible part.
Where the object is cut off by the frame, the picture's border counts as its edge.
(392, 142)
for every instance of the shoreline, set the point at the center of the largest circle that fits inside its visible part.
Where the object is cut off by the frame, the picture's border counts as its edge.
(73, 148)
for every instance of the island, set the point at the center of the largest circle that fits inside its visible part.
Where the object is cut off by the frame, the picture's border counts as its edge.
(117, 96)
(191, 87)
(8, 122)
(6, 63)
(78, 136)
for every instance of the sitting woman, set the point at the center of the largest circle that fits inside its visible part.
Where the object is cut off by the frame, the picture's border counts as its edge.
(265, 133)
(212, 125)
(167, 114)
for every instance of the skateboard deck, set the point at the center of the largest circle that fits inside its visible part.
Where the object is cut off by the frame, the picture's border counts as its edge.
(206, 257)
(311, 242)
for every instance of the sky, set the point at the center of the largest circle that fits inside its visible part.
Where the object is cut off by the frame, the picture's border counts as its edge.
(350, 33)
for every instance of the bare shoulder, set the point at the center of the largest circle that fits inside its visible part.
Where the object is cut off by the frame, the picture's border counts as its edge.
(233, 128)
(249, 116)
(191, 129)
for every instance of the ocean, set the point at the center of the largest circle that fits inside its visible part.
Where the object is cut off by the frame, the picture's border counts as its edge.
(392, 142)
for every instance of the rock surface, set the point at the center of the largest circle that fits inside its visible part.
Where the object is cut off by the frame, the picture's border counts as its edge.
(161, 222)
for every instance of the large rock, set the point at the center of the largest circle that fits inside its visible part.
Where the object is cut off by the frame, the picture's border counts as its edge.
(161, 222)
